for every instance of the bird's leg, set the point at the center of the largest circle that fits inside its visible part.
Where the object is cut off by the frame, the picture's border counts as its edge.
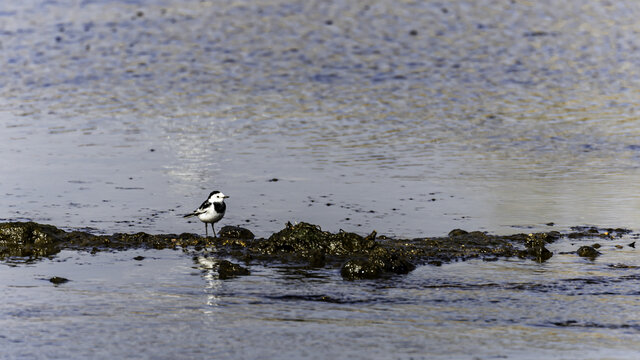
(214, 231)
(206, 230)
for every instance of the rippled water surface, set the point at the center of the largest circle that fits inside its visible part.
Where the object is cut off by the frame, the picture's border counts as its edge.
(408, 117)
(169, 306)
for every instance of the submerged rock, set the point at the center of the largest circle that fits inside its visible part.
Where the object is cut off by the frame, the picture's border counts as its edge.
(588, 251)
(58, 280)
(302, 244)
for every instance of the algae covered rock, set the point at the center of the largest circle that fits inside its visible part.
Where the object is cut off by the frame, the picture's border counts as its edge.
(377, 263)
(308, 240)
(235, 232)
(302, 244)
(362, 257)
(29, 239)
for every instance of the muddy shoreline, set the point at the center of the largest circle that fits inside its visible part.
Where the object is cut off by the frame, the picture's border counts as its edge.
(304, 244)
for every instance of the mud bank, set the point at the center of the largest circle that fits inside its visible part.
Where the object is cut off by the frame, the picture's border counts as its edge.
(303, 244)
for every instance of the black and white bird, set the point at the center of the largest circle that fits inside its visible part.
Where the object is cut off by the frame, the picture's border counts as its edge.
(211, 210)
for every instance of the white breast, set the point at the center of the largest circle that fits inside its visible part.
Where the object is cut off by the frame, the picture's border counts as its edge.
(210, 216)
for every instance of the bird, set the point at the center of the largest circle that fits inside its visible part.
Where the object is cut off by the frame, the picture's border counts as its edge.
(211, 211)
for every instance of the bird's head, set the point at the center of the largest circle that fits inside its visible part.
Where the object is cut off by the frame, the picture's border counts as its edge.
(217, 196)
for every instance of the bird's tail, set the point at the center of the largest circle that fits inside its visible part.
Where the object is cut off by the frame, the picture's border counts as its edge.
(189, 215)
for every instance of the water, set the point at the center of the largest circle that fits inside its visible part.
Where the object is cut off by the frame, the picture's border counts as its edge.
(169, 306)
(410, 118)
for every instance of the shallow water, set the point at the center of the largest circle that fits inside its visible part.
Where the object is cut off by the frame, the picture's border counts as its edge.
(169, 306)
(411, 118)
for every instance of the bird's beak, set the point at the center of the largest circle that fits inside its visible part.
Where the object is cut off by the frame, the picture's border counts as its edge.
(226, 196)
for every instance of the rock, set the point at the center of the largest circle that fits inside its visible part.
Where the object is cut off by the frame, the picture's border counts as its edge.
(58, 280)
(346, 242)
(538, 253)
(359, 269)
(588, 251)
(535, 247)
(227, 270)
(457, 232)
(29, 239)
(317, 260)
(379, 262)
(302, 239)
(390, 262)
(303, 244)
(306, 239)
(236, 232)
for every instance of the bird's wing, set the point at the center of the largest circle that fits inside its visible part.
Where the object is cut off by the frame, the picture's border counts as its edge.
(203, 208)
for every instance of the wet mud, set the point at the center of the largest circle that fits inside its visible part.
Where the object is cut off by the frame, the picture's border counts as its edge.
(304, 244)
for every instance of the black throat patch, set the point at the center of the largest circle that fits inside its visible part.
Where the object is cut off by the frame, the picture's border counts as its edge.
(220, 207)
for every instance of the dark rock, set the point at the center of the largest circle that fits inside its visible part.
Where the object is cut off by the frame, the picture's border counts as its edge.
(138, 258)
(534, 241)
(457, 232)
(227, 270)
(58, 280)
(623, 266)
(347, 242)
(317, 260)
(303, 244)
(536, 249)
(588, 251)
(306, 239)
(552, 236)
(359, 269)
(538, 253)
(390, 261)
(29, 239)
(236, 232)
(379, 262)
(536, 33)
(302, 239)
